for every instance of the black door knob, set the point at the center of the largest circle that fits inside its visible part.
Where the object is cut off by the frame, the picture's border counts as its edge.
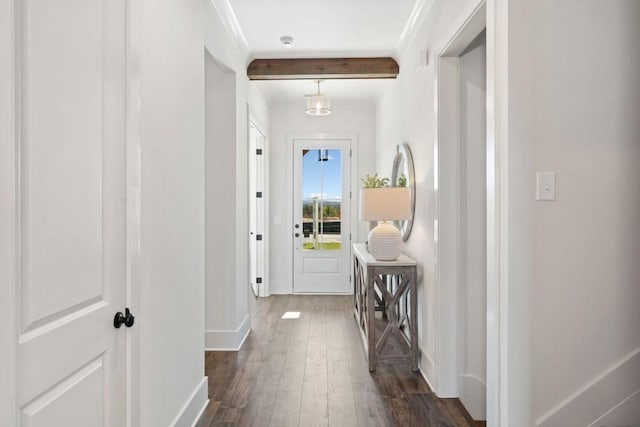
(127, 319)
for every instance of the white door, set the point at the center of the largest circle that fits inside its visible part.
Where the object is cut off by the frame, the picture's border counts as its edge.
(321, 215)
(70, 205)
(257, 196)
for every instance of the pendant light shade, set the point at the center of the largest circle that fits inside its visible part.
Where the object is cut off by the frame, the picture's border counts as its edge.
(318, 104)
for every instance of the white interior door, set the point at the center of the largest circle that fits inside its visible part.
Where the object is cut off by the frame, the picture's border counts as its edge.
(257, 195)
(70, 202)
(321, 215)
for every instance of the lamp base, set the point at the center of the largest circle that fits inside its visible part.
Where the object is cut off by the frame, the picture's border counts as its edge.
(385, 242)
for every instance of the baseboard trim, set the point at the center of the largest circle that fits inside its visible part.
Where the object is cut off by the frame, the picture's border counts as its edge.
(597, 398)
(194, 407)
(473, 396)
(220, 340)
(426, 368)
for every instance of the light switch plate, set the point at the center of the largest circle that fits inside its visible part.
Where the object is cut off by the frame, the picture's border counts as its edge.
(545, 185)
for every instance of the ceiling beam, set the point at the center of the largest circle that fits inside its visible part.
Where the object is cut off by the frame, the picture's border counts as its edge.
(322, 68)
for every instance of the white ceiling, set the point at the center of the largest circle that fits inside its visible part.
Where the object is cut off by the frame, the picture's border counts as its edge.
(331, 27)
(327, 28)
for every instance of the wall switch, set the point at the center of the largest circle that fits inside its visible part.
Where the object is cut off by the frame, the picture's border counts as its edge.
(545, 185)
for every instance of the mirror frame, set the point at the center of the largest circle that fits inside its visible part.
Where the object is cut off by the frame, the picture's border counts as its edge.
(403, 154)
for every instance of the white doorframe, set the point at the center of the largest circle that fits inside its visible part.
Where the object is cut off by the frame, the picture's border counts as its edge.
(8, 220)
(498, 384)
(453, 219)
(494, 16)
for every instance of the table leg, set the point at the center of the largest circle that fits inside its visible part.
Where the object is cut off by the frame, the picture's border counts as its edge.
(371, 319)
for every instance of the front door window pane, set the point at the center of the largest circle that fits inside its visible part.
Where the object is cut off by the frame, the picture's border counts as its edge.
(322, 199)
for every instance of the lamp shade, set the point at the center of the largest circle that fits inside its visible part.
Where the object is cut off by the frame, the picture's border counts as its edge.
(318, 105)
(385, 204)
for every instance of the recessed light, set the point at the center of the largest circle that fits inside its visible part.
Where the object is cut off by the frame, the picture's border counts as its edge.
(287, 41)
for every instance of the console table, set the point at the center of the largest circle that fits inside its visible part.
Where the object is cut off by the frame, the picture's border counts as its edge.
(389, 286)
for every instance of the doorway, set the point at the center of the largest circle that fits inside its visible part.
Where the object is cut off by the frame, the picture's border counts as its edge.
(321, 215)
(462, 152)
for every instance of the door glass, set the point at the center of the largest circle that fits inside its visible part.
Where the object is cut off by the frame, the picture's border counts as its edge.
(321, 199)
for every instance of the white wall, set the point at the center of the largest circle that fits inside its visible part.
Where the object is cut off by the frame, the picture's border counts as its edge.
(170, 315)
(220, 197)
(290, 119)
(228, 322)
(584, 110)
(568, 100)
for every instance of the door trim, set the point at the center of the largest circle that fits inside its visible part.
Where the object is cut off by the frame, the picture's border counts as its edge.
(8, 214)
(353, 221)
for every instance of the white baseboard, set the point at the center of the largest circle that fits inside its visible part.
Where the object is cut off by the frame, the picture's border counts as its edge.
(427, 370)
(626, 413)
(194, 407)
(217, 340)
(606, 392)
(473, 396)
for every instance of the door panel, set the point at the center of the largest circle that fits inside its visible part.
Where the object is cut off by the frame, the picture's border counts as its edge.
(70, 118)
(322, 215)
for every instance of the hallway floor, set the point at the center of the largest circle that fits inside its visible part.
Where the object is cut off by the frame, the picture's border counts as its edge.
(312, 371)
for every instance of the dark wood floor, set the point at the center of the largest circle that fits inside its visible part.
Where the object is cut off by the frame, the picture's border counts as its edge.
(312, 371)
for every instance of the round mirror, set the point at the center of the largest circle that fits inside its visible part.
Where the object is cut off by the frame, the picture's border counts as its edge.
(403, 175)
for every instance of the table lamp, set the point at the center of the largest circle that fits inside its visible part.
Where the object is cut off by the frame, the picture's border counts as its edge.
(385, 204)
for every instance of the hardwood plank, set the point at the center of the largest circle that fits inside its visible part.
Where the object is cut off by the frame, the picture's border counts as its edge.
(322, 68)
(313, 371)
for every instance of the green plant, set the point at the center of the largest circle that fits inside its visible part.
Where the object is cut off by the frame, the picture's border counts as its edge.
(402, 181)
(374, 182)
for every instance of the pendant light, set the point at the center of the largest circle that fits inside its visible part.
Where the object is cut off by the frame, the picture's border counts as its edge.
(319, 104)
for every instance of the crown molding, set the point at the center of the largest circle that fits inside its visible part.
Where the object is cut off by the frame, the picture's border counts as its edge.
(231, 24)
(418, 15)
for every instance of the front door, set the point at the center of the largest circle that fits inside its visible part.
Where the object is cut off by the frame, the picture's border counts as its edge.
(322, 215)
(70, 204)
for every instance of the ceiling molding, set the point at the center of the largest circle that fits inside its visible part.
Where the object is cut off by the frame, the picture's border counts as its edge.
(230, 21)
(418, 15)
(322, 68)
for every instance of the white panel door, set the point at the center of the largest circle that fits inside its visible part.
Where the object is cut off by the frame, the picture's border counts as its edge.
(70, 204)
(321, 215)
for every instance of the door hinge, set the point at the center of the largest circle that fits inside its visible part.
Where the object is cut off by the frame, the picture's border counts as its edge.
(259, 151)
(350, 152)
(258, 236)
(349, 236)
(349, 194)
(258, 279)
(259, 194)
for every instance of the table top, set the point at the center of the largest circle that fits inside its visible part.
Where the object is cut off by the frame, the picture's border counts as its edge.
(360, 251)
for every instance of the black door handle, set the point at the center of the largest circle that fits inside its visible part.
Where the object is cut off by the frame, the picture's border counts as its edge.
(127, 319)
